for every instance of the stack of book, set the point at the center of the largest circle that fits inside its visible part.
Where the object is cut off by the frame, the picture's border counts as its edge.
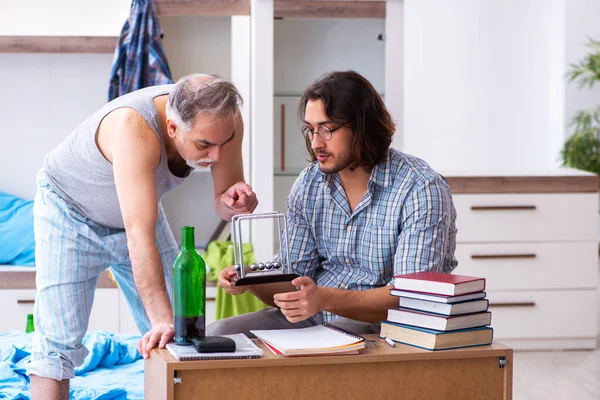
(439, 311)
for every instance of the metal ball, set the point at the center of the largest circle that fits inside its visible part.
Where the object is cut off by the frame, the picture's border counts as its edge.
(237, 267)
(269, 265)
(276, 265)
(253, 267)
(261, 266)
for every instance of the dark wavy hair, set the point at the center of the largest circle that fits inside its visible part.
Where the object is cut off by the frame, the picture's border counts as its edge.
(350, 98)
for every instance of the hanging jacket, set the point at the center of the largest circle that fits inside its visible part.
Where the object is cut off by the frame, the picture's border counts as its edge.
(139, 59)
(219, 255)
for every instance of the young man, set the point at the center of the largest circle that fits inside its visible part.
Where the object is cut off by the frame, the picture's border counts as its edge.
(98, 206)
(358, 215)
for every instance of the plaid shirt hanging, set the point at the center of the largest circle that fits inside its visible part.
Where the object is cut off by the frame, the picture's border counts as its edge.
(139, 59)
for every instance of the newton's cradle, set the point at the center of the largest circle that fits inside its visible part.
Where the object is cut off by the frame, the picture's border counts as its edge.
(262, 272)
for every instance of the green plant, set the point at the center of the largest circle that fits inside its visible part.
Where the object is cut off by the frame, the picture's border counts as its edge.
(582, 149)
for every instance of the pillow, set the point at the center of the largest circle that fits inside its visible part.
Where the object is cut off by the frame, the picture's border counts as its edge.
(17, 244)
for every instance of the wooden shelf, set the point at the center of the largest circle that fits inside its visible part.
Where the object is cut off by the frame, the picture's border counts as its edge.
(329, 9)
(180, 8)
(57, 44)
(21, 279)
(283, 8)
(523, 184)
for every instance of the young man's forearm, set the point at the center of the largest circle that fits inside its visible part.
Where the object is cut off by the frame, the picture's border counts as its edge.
(149, 277)
(361, 305)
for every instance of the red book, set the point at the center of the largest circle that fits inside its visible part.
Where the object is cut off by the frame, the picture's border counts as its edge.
(438, 283)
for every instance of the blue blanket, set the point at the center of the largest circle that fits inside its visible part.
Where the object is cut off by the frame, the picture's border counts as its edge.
(113, 370)
(16, 231)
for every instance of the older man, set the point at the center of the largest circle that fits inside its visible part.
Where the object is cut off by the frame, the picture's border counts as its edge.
(98, 207)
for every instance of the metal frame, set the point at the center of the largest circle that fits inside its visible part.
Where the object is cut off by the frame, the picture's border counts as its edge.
(253, 278)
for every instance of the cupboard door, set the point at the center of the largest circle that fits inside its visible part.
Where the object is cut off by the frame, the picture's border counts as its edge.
(19, 302)
(530, 265)
(494, 218)
(289, 150)
(546, 314)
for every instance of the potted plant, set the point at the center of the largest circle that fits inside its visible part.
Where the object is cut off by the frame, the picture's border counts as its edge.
(582, 149)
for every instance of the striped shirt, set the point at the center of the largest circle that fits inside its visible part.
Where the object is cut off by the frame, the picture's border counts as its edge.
(404, 223)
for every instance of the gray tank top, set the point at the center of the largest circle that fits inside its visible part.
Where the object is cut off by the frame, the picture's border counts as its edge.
(79, 173)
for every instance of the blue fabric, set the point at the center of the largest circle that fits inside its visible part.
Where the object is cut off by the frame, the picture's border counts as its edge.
(405, 223)
(139, 59)
(113, 370)
(16, 231)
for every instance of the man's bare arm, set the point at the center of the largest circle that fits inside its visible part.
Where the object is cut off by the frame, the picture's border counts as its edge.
(135, 156)
(228, 171)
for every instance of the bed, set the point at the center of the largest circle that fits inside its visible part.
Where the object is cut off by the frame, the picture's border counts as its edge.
(113, 370)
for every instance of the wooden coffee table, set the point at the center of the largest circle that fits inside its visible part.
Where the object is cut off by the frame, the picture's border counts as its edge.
(385, 372)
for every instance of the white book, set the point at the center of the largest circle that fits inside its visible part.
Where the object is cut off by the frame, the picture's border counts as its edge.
(314, 340)
(244, 348)
(465, 307)
(436, 297)
(438, 322)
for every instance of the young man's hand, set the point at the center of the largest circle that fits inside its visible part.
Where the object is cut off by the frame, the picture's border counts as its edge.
(239, 199)
(227, 278)
(302, 304)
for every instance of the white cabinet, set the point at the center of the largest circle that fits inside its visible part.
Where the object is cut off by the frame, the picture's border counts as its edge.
(538, 253)
(17, 303)
(289, 149)
(505, 217)
(109, 311)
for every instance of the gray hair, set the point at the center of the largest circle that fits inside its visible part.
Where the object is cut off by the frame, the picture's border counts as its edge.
(201, 94)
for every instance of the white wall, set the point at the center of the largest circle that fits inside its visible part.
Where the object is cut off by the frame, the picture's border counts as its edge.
(44, 96)
(307, 48)
(582, 21)
(197, 44)
(483, 82)
(63, 17)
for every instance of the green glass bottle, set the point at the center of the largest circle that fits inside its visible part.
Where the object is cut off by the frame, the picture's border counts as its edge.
(189, 290)
(29, 327)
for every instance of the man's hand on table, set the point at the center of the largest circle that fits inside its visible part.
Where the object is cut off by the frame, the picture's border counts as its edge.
(160, 334)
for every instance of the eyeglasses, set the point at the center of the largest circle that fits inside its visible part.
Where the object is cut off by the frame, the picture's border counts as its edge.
(324, 132)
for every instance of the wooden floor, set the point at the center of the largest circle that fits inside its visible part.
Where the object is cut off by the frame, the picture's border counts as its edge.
(564, 375)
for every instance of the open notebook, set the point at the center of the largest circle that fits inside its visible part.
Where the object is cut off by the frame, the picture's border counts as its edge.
(322, 339)
(244, 348)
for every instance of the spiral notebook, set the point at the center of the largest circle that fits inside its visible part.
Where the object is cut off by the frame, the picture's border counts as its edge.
(244, 348)
(324, 339)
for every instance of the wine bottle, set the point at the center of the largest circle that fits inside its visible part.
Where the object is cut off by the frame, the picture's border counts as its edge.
(189, 291)
(29, 327)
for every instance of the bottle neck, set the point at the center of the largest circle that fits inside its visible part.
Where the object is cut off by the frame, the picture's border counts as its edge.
(187, 238)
